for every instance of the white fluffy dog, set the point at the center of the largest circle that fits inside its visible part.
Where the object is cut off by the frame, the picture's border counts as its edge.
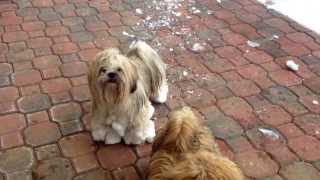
(121, 86)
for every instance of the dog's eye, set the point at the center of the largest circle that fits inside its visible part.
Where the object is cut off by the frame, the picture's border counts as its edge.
(119, 69)
(102, 70)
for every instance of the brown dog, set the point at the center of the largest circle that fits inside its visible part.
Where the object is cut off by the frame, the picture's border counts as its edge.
(185, 150)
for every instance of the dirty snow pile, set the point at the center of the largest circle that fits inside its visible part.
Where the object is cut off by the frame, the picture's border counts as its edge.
(305, 12)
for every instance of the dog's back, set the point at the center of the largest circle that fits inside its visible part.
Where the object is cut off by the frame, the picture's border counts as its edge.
(185, 150)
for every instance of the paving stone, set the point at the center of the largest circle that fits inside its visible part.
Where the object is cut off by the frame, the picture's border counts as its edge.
(126, 173)
(142, 165)
(290, 130)
(45, 62)
(309, 123)
(262, 140)
(306, 147)
(243, 88)
(313, 84)
(15, 36)
(52, 169)
(42, 133)
(11, 123)
(21, 175)
(282, 96)
(4, 81)
(239, 144)
(25, 55)
(77, 145)
(11, 140)
(70, 127)
(47, 152)
(220, 125)
(96, 175)
(73, 69)
(116, 156)
(85, 162)
(256, 164)
(239, 109)
(274, 115)
(81, 36)
(49, 16)
(55, 85)
(143, 150)
(33, 103)
(88, 54)
(285, 78)
(282, 155)
(17, 159)
(26, 77)
(300, 170)
(65, 112)
(8, 94)
(64, 48)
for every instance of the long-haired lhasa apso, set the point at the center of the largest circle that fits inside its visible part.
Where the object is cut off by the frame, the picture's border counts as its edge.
(122, 87)
(185, 150)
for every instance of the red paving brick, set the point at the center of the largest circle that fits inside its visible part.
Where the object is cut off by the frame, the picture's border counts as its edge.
(45, 47)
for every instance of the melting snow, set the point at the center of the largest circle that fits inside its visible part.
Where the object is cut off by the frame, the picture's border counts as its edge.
(270, 133)
(197, 47)
(139, 11)
(253, 44)
(292, 65)
(127, 34)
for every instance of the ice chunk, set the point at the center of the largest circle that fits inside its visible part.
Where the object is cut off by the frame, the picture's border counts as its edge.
(292, 65)
(253, 44)
(139, 11)
(269, 133)
(197, 47)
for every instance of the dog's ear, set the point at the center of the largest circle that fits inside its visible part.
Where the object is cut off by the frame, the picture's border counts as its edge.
(133, 87)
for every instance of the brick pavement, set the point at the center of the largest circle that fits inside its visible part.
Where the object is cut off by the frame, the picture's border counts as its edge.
(265, 117)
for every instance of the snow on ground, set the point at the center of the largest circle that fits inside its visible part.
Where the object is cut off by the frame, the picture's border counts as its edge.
(305, 12)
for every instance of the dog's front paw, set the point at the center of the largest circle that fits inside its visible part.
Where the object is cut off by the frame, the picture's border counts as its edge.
(150, 132)
(99, 134)
(134, 137)
(112, 137)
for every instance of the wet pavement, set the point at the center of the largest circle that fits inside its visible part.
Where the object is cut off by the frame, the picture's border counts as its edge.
(226, 60)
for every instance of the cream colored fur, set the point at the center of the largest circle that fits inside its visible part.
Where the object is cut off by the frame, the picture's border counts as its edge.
(120, 106)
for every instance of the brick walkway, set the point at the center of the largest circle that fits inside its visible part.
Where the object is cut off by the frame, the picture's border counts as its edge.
(265, 117)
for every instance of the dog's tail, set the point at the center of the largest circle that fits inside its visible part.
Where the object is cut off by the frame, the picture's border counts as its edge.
(182, 132)
(153, 61)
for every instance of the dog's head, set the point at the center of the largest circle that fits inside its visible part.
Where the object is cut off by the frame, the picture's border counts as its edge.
(112, 76)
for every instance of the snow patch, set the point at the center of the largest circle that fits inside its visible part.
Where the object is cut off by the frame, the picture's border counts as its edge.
(253, 44)
(197, 47)
(304, 12)
(139, 11)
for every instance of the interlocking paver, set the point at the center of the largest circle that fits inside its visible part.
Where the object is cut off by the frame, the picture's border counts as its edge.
(45, 101)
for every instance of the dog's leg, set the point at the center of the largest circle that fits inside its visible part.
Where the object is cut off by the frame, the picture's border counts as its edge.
(149, 131)
(162, 94)
(145, 131)
(134, 136)
(98, 128)
(99, 134)
(119, 128)
(112, 137)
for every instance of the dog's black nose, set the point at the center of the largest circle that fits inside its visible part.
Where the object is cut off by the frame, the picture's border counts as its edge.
(112, 75)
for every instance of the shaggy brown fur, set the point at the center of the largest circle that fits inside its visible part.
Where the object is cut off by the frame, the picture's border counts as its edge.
(185, 150)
